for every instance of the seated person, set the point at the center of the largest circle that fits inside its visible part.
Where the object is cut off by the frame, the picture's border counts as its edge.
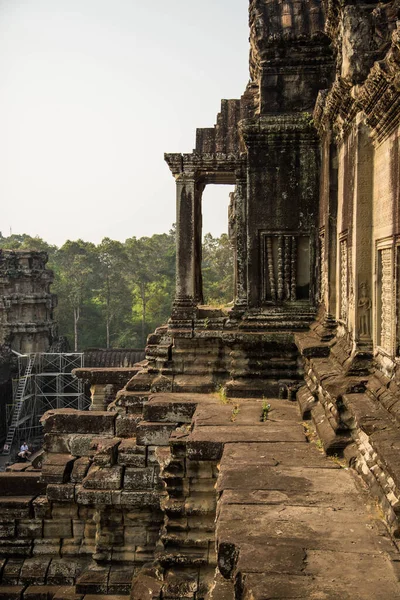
(24, 451)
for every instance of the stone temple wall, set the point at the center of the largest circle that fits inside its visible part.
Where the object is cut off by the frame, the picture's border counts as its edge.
(196, 482)
(352, 352)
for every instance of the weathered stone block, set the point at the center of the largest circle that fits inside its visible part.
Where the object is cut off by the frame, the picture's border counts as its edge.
(140, 499)
(92, 497)
(125, 426)
(34, 571)
(57, 529)
(67, 593)
(17, 507)
(41, 508)
(85, 444)
(31, 529)
(62, 571)
(107, 478)
(47, 547)
(57, 468)
(57, 443)
(140, 479)
(78, 528)
(169, 408)
(61, 492)
(11, 571)
(17, 548)
(131, 455)
(146, 587)
(154, 434)
(68, 420)
(21, 484)
(71, 547)
(93, 581)
(80, 468)
(39, 592)
(11, 592)
(65, 511)
(106, 452)
(120, 580)
(136, 536)
(7, 530)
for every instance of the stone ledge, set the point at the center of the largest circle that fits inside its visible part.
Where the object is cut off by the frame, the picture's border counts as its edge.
(106, 375)
(68, 420)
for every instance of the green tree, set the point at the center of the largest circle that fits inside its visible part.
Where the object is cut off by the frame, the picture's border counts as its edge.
(77, 272)
(26, 242)
(152, 276)
(217, 269)
(114, 292)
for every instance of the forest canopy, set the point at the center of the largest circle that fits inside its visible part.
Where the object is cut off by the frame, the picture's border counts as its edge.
(113, 294)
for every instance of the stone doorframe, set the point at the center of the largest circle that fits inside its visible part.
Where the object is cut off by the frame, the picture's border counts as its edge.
(192, 172)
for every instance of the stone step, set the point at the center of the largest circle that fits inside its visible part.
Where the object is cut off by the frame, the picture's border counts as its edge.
(305, 401)
(204, 369)
(221, 589)
(27, 483)
(190, 538)
(333, 441)
(260, 362)
(197, 504)
(177, 555)
(252, 388)
(11, 592)
(201, 384)
(260, 352)
(284, 373)
(67, 593)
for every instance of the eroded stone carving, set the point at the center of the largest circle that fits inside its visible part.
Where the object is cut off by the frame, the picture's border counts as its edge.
(386, 324)
(344, 284)
(364, 311)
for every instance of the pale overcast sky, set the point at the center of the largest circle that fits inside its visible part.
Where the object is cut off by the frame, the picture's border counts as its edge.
(92, 93)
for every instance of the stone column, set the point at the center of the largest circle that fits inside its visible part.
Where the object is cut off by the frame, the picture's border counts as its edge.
(362, 240)
(188, 292)
(331, 232)
(328, 228)
(241, 243)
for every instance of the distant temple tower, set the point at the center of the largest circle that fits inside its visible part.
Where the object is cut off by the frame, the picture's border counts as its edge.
(26, 304)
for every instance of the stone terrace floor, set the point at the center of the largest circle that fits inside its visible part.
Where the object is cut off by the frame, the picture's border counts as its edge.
(292, 523)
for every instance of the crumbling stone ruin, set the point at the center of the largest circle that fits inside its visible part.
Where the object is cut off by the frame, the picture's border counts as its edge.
(199, 480)
(26, 304)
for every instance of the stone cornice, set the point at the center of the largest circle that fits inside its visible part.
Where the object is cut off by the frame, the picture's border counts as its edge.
(201, 164)
(278, 128)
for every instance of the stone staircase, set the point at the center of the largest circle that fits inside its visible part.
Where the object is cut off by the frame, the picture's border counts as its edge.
(264, 367)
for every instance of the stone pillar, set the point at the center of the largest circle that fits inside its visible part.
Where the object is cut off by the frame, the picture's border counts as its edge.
(362, 240)
(328, 226)
(331, 233)
(188, 291)
(241, 243)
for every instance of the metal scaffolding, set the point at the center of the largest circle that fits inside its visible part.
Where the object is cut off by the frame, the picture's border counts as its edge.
(45, 382)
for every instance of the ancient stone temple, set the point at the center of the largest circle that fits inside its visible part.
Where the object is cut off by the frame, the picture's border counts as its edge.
(254, 453)
(26, 304)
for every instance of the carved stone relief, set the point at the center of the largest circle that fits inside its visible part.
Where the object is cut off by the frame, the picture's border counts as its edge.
(386, 322)
(364, 311)
(286, 268)
(323, 272)
(344, 282)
